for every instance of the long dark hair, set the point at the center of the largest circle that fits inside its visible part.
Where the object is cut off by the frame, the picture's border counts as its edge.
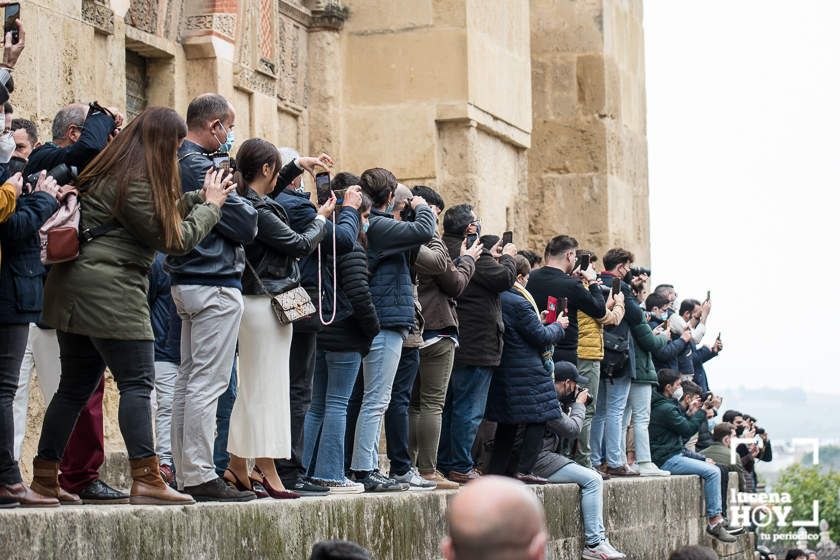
(250, 157)
(147, 150)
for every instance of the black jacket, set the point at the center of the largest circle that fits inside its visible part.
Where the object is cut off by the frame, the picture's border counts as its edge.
(277, 247)
(549, 281)
(94, 138)
(219, 259)
(354, 333)
(21, 271)
(633, 315)
(479, 307)
(166, 324)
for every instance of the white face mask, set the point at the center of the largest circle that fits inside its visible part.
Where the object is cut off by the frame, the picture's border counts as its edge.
(7, 147)
(678, 393)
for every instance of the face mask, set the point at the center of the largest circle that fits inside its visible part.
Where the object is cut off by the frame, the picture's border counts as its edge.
(365, 227)
(739, 431)
(229, 140)
(678, 393)
(390, 208)
(7, 147)
(711, 422)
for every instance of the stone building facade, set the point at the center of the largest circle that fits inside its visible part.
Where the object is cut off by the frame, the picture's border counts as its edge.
(533, 110)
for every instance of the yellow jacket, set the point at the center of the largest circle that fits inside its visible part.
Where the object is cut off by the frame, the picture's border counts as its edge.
(591, 332)
(8, 201)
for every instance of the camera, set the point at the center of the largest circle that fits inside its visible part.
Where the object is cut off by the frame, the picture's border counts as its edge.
(639, 270)
(759, 431)
(62, 173)
(407, 214)
(589, 399)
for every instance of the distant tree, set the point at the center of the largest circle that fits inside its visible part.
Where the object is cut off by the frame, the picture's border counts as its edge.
(806, 484)
(829, 458)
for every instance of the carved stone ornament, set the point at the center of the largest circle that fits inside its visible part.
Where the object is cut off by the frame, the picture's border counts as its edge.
(331, 16)
(98, 14)
(143, 15)
(224, 24)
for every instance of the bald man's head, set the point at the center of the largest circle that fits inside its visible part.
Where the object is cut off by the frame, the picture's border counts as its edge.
(495, 518)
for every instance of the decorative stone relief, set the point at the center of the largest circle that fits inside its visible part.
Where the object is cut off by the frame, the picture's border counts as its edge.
(250, 80)
(99, 14)
(142, 14)
(224, 24)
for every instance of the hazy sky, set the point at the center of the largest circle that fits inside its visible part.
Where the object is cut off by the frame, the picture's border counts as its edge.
(743, 102)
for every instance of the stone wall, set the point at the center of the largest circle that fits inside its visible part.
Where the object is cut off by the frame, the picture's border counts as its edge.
(645, 518)
(588, 159)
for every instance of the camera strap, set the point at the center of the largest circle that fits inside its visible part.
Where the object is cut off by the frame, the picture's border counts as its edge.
(335, 281)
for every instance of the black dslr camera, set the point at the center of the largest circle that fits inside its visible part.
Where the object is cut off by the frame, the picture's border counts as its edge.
(62, 173)
(408, 214)
(578, 391)
(639, 270)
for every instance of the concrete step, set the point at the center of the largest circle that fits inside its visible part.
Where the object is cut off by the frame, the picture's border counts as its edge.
(645, 518)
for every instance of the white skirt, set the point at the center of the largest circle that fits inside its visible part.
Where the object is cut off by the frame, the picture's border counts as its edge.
(260, 425)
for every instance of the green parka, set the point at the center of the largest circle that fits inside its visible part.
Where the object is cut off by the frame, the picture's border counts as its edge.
(646, 344)
(669, 427)
(102, 293)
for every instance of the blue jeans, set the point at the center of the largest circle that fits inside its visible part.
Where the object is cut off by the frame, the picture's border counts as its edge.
(396, 417)
(224, 409)
(638, 406)
(380, 367)
(466, 400)
(326, 420)
(679, 464)
(606, 433)
(591, 499)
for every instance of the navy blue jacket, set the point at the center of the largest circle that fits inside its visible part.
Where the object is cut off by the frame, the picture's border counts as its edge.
(389, 244)
(700, 356)
(219, 259)
(522, 391)
(166, 324)
(666, 357)
(633, 315)
(301, 211)
(92, 140)
(21, 272)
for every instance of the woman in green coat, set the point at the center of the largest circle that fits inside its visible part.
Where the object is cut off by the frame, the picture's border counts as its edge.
(131, 197)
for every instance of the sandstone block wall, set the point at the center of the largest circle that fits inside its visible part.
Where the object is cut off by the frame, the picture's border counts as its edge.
(645, 518)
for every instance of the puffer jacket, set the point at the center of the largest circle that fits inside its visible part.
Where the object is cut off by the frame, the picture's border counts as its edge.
(479, 307)
(391, 285)
(522, 391)
(591, 332)
(669, 427)
(646, 343)
(21, 272)
(437, 292)
(277, 247)
(219, 259)
(356, 332)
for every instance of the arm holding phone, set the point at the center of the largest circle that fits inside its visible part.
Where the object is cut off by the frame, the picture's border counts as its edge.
(615, 313)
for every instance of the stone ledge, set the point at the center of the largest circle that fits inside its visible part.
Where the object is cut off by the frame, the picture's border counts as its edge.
(646, 518)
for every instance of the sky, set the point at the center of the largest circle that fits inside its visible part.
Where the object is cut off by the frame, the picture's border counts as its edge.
(743, 100)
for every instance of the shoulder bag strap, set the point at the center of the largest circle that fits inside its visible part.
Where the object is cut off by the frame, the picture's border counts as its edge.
(257, 276)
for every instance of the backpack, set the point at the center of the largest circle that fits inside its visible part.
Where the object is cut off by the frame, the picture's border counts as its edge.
(60, 235)
(616, 355)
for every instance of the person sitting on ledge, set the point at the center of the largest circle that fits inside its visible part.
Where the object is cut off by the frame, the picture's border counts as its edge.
(693, 553)
(338, 550)
(492, 518)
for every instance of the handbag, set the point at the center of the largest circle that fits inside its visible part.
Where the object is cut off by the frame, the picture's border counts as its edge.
(288, 306)
(61, 236)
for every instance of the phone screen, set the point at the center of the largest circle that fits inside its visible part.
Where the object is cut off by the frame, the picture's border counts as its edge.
(471, 239)
(616, 285)
(12, 14)
(222, 162)
(322, 186)
(551, 306)
(507, 238)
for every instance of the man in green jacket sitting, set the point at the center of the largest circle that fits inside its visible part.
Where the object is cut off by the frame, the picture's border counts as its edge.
(668, 428)
(721, 453)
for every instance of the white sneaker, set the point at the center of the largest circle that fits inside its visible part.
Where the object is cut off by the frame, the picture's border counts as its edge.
(634, 467)
(648, 468)
(604, 551)
(345, 486)
(414, 480)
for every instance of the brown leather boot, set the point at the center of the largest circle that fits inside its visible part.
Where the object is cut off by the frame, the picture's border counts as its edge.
(45, 482)
(27, 497)
(149, 488)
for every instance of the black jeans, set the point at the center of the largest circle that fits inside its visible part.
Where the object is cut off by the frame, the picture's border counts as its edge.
(503, 445)
(12, 347)
(83, 361)
(396, 416)
(301, 370)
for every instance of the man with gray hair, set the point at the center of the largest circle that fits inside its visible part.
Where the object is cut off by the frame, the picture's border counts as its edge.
(495, 518)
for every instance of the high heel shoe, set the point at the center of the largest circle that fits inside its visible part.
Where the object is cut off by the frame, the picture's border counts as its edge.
(256, 487)
(276, 494)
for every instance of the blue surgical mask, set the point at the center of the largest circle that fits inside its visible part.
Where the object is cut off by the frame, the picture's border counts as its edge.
(365, 227)
(390, 208)
(711, 422)
(229, 140)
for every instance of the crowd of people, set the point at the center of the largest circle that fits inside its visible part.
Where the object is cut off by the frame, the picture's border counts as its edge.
(259, 340)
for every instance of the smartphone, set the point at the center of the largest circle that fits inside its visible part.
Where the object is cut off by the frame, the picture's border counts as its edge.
(507, 238)
(583, 262)
(616, 285)
(322, 186)
(221, 163)
(471, 239)
(551, 307)
(563, 305)
(12, 14)
(708, 295)
(718, 338)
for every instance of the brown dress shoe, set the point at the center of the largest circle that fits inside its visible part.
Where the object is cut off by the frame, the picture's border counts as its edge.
(45, 482)
(442, 482)
(26, 496)
(463, 478)
(623, 470)
(529, 478)
(149, 488)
